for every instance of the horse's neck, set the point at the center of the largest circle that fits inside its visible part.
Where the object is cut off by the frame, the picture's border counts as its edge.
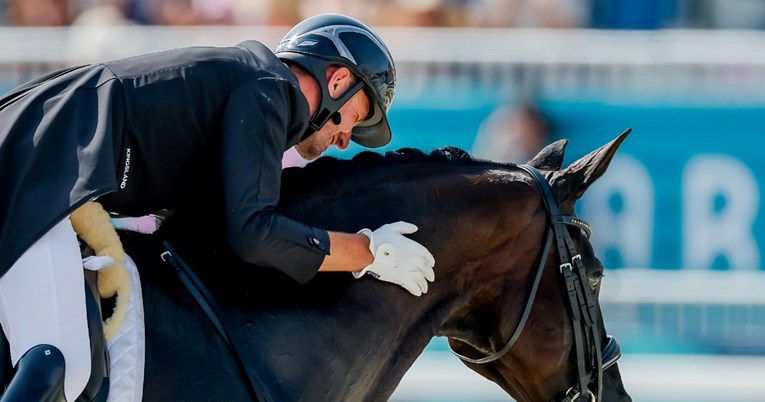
(355, 347)
(378, 330)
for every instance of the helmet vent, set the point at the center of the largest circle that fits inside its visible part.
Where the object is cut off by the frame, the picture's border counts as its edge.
(307, 43)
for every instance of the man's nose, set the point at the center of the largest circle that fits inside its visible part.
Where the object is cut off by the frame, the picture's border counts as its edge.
(343, 140)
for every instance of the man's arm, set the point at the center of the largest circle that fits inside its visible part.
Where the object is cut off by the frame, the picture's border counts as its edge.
(348, 253)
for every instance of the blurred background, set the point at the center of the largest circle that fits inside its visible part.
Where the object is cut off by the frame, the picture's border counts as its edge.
(677, 219)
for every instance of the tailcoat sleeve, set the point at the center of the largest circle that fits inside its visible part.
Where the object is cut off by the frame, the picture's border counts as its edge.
(257, 123)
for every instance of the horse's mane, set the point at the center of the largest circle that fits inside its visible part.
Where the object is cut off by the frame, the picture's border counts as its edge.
(330, 166)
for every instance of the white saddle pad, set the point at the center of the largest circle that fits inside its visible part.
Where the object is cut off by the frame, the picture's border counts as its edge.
(127, 347)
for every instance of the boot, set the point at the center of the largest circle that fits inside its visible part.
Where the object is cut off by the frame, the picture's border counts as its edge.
(39, 377)
(6, 368)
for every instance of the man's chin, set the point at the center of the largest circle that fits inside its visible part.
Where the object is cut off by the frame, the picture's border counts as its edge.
(312, 156)
(307, 154)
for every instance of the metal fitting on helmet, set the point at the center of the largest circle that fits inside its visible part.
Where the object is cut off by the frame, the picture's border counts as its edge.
(334, 39)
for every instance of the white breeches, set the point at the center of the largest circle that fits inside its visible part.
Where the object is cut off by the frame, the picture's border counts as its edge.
(42, 300)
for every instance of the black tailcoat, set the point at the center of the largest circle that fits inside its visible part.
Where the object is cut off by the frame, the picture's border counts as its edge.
(155, 132)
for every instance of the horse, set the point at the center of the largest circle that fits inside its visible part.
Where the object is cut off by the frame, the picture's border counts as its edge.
(520, 312)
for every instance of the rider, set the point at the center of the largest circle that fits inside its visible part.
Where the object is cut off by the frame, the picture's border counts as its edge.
(148, 133)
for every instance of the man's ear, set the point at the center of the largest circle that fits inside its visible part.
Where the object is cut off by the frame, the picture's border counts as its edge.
(339, 79)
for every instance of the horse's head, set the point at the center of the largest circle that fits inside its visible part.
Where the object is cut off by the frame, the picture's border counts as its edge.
(556, 348)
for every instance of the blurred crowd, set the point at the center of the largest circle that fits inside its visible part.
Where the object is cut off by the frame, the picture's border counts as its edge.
(612, 14)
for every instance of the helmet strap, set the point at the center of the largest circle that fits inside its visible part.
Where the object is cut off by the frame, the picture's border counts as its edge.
(328, 106)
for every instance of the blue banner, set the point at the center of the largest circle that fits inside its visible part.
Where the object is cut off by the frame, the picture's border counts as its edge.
(684, 189)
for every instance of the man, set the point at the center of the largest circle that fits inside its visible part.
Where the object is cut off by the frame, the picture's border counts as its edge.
(148, 133)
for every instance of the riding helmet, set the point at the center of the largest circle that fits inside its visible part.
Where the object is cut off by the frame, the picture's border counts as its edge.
(335, 39)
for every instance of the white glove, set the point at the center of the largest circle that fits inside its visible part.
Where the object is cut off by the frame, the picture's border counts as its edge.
(398, 259)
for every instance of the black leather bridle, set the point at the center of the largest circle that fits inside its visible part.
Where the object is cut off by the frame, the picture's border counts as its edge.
(591, 360)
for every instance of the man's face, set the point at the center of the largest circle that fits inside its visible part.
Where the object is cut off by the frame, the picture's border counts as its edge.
(352, 112)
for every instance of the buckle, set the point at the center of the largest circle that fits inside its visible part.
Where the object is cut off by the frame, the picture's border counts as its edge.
(569, 265)
(565, 265)
(575, 397)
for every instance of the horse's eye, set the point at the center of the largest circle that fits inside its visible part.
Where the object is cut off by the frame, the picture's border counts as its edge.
(595, 280)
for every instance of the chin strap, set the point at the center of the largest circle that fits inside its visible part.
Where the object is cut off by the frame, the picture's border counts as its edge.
(328, 109)
(328, 106)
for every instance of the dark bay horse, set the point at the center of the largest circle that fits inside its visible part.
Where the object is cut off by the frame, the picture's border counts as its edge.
(341, 339)
(337, 338)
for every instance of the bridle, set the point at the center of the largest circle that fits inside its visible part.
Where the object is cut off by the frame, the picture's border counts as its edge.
(591, 360)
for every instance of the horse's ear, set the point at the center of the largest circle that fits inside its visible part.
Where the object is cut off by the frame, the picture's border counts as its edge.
(570, 183)
(551, 157)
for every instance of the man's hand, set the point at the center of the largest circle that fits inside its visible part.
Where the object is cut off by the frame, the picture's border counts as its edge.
(398, 259)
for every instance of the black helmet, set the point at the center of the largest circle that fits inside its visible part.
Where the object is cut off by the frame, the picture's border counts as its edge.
(335, 39)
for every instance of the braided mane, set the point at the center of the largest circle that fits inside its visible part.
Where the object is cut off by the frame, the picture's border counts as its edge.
(400, 156)
(327, 167)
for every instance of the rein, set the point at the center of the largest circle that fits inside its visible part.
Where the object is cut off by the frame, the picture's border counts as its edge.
(591, 360)
(207, 303)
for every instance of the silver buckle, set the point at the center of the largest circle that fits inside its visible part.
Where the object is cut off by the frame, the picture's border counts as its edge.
(569, 265)
(577, 394)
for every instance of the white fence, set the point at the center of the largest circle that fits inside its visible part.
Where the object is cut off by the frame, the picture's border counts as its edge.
(672, 63)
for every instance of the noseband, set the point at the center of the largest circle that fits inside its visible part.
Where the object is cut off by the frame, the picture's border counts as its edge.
(591, 361)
